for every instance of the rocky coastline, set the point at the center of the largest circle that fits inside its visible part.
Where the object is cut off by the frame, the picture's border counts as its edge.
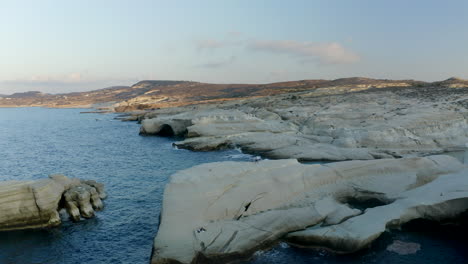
(388, 134)
(324, 124)
(387, 139)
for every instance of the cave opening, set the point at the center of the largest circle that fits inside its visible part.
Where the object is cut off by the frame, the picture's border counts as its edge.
(166, 131)
(363, 203)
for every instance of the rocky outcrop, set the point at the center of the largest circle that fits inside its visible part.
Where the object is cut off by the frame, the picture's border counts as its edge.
(211, 123)
(36, 204)
(324, 124)
(228, 210)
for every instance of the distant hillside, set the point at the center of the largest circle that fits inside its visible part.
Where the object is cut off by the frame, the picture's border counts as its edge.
(30, 94)
(453, 82)
(162, 93)
(153, 84)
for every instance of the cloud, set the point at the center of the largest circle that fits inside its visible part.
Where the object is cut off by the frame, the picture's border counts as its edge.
(232, 39)
(324, 53)
(234, 34)
(60, 78)
(281, 74)
(210, 44)
(217, 64)
(60, 83)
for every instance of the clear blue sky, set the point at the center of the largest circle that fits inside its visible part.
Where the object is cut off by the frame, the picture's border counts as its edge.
(60, 46)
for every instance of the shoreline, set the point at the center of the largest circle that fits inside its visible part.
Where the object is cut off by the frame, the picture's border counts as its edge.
(256, 128)
(351, 126)
(306, 127)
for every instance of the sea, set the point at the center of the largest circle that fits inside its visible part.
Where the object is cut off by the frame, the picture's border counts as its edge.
(37, 142)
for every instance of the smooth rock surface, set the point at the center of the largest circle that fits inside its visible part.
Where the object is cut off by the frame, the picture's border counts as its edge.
(36, 204)
(228, 210)
(325, 124)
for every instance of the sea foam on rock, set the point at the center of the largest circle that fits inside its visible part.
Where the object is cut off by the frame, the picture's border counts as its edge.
(36, 204)
(224, 211)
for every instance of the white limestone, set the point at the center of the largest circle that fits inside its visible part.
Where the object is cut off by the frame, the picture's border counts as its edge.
(228, 210)
(350, 126)
(36, 204)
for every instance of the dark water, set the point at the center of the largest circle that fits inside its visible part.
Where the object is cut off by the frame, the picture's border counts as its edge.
(35, 142)
(439, 244)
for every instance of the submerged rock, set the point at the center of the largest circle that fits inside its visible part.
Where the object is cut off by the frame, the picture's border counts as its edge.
(36, 204)
(228, 210)
(404, 248)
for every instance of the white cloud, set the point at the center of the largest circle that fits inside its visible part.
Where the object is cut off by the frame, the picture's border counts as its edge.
(61, 83)
(231, 39)
(234, 34)
(324, 53)
(210, 44)
(217, 64)
(304, 51)
(73, 77)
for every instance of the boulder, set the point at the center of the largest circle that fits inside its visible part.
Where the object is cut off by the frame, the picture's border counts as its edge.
(227, 210)
(36, 204)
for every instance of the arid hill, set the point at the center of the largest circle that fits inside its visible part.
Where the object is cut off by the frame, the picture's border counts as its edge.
(160, 94)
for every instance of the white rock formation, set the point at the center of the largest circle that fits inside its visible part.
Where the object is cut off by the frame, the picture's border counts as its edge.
(36, 204)
(314, 126)
(227, 210)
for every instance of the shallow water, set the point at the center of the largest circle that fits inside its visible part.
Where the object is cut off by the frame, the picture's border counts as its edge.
(35, 142)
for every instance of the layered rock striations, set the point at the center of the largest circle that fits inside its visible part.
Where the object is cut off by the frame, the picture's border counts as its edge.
(325, 124)
(225, 211)
(36, 204)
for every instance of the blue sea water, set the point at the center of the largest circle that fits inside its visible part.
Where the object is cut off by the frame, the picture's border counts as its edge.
(36, 142)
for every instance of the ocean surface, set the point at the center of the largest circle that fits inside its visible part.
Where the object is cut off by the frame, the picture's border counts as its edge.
(36, 142)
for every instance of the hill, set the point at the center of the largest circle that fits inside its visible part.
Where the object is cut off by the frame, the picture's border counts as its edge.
(151, 94)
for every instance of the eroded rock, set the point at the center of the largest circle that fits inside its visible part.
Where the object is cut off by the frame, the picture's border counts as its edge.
(228, 210)
(323, 124)
(36, 204)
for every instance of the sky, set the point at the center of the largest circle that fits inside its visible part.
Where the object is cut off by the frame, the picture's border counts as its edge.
(60, 46)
